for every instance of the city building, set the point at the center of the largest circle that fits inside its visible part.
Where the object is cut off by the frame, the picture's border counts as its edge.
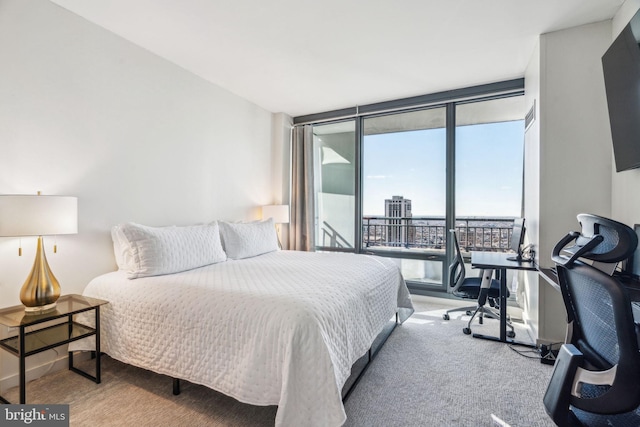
(397, 212)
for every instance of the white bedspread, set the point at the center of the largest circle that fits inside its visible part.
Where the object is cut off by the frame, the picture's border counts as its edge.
(282, 328)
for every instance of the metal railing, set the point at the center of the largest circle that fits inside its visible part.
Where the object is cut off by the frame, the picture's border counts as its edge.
(331, 238)
(429, 233)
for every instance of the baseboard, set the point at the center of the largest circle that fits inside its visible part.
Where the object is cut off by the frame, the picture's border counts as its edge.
(528, 327)
(46, 367)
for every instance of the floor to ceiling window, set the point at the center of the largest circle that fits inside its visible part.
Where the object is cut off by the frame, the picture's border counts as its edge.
(404, 190)
(334, 148)
(489, 149)
(489, 157)
(393, 183)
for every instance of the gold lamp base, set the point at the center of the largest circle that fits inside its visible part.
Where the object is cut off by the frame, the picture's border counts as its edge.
(41, 290)
(41, 309)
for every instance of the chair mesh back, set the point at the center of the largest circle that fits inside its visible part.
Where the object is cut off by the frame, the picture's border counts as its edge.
(604, 331)
(457, 271)
(619, 243)
(611, 240)
(599, 308)
(594, 316)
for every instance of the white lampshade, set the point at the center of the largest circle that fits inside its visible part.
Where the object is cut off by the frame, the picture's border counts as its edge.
(36, 215)
(279, 213)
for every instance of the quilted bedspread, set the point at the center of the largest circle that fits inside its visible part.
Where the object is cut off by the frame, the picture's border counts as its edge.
(283, 328)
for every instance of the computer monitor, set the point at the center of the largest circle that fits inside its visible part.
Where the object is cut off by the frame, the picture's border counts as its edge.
(517, 239)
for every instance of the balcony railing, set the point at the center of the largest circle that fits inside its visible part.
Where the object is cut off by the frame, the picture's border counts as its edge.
(429, 233)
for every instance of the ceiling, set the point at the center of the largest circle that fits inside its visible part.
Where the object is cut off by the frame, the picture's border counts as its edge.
(303, 56)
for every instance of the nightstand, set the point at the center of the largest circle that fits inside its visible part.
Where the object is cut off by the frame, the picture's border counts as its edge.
(61, 329)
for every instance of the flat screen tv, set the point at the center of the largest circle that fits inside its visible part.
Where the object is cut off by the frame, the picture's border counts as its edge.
(621, 67)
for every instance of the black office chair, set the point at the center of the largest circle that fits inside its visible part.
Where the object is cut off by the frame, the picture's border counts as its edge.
(484, 289)
(596, 377)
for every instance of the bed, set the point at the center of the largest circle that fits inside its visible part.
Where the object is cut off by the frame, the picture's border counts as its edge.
(277, 328)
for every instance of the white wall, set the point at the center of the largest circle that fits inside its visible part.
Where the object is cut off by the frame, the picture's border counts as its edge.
(281, 159)
(134, 137)
(572, 170)
(577, 171)
(575, 154)
(576, 168)
(530, 298)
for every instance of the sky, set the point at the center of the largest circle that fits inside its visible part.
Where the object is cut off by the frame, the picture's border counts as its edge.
(489, 162)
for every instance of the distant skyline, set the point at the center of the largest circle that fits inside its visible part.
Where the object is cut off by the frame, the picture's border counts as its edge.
(489, 164)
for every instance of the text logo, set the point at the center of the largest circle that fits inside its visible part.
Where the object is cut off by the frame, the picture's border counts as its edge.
(35, 415)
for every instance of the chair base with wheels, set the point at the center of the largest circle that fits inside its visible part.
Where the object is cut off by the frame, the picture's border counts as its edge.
(469, 290)
(468, 311)
(480, 310)
(493, 311)
(483, 289)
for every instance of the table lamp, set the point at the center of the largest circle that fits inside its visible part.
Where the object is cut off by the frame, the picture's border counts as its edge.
(280, 215)
(36, 215)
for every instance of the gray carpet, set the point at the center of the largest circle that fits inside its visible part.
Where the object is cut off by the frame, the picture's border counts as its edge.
(428, 374)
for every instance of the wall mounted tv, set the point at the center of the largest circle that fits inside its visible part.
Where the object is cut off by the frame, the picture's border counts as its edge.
(621, 67)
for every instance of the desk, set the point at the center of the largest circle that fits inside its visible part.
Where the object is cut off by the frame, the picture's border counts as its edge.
(500, 261)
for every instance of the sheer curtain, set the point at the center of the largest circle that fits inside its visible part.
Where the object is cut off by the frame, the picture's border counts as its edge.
(301, 226)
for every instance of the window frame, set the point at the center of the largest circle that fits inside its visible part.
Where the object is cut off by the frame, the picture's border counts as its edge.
(448, 99)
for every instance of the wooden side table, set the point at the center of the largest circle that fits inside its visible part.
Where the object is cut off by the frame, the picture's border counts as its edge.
(25, 344)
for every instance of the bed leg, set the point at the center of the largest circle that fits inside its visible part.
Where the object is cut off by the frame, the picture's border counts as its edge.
(176, 386)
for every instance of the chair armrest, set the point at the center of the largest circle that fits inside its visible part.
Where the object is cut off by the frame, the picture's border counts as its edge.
(558, 395)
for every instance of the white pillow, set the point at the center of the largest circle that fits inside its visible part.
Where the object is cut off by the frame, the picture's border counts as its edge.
(120, 248)
(152, 251)
(249, 239)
